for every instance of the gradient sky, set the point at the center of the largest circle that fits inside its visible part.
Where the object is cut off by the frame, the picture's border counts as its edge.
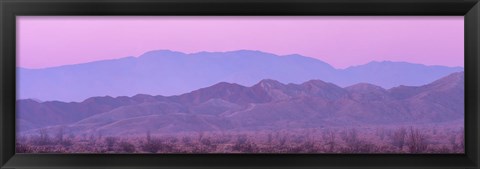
(342, 41)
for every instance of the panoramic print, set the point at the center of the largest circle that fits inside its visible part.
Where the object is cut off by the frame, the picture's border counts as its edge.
(224, 84)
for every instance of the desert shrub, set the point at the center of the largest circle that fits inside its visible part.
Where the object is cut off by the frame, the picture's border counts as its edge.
(453, 142)
(386, 149)
(127, 147)
(92, 139)
(307, 147)
(206, 141)
(365, 147)
(23, 148)
(241, 139)
(66, 142)
(187, 141)
(157, 145)
(462, 138)
(359, 146)
(354, 144)
(269, 138)
(442, 149)
(173, 140)
(328, 141)
(201, 149)
(242, 144)
(110, 141)
(209, 143)
(151, 146)
(221, 140)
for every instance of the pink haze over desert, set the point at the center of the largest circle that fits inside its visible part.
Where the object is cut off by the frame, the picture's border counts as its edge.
(342, 41)
(256, 89)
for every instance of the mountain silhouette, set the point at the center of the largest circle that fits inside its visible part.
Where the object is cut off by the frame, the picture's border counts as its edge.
(167, 73)
(266, 105)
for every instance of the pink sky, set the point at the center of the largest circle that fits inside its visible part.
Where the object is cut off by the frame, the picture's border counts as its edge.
(342, 41)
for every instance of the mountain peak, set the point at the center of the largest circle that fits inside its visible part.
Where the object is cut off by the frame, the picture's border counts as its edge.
(453, 81)
(269, 83)
(144, 98)
(161, 52)
(449, 81)
(98, 99)
(244, 51)
(455, 76)
(315, 82)
(221, 87)
(320, 85)
(323, 89)
(234, 54)
(388, 63)
(30, 100)
(364, 87)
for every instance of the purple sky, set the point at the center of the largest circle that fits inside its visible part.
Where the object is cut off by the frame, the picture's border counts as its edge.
(341, 41)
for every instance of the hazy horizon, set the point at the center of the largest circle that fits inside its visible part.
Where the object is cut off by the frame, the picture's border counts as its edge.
(341, 41)
(193, 53)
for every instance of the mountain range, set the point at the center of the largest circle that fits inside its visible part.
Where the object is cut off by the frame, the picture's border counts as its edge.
(168, 73)
(266, 105)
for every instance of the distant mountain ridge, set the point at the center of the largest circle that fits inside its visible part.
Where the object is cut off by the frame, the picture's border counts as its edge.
(165, 72)
(268, 104)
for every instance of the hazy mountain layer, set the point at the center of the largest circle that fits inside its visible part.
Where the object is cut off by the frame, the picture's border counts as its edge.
(172, 73)
(269, 104)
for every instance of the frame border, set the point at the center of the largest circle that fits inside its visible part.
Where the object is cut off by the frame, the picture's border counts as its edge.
(9, 9)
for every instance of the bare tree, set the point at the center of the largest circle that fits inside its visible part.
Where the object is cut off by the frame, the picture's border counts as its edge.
(398, 137)
(417, 141)
(61, 139)
(329, 137)
(350, 137)
(43, 138)
(60, 135)
(380, 133)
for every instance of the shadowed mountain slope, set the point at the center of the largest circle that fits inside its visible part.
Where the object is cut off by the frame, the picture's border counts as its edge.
(269, 104)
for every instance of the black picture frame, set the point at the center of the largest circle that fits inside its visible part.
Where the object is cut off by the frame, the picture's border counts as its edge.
(9, 9)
